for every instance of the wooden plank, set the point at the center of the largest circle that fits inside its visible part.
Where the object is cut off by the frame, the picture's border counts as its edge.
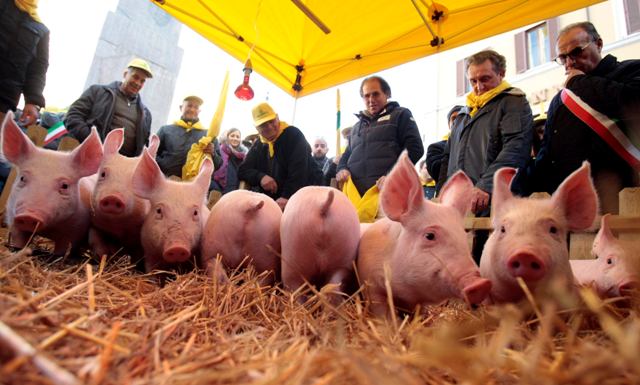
(619, 223)
(629, 208)
(580, 245)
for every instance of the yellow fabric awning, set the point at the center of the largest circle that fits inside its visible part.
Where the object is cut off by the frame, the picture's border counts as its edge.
(290, 50)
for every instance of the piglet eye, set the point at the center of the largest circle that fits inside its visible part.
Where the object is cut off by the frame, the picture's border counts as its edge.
(158, 213)
(430, 236)
(502, 229)
(609, 261)
(64, 186)
(103, 174)
(553, 230)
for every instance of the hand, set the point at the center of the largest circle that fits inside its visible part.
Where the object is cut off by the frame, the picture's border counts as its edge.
(29, 115)
(479, 200)
(282, 202)
(342, 176)
(380, 182)
(269, 184)
(571, 72)
(208, 149)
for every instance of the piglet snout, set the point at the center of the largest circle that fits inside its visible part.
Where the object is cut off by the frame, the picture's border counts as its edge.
(112, 204)
(176, 253)
(477, 291)
(27, 222)
(527, 266)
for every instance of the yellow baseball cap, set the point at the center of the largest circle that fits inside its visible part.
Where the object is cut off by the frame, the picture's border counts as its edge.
(262, 113)
(141, 64)
(194, 98)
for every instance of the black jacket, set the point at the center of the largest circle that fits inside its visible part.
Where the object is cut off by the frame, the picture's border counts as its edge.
(175, 143)
(377, 141)
(498, 135)
(24, 57)
(612, 88)
(96, 106)
(292, 165)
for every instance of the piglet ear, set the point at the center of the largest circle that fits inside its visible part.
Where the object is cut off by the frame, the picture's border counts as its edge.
(604, 236)
(154, 143)
(577, 198)
(502, 188)
(457, 192)
(88, 155)
(16, 146)
(402, 190)
(147, 177)
(113, 141)
(203, 180)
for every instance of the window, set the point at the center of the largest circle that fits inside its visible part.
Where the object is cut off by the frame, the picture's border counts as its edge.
(538, 51)
(462, 82)
(536, 46)
(632, 15)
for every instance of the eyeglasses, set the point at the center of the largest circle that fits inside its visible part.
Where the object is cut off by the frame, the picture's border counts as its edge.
(573, 54)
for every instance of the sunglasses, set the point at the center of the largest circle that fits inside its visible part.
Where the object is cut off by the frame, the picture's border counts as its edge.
(573, 54)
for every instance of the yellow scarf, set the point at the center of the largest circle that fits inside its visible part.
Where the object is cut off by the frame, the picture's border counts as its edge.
(29, 6)
(477, 102)
(431, 183)
(283, 127)
(189, 125)
(367, 205)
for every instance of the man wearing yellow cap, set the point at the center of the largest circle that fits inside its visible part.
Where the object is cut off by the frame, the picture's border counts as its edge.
(176, 139)
(280, 162)
(112, 106)
(24, 58)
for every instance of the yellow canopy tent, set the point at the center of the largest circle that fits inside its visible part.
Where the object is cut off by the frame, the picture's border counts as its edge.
(307, 46)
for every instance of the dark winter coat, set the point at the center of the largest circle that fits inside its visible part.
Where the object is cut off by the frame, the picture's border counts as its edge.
(175, 143)
(96, 106)
(612, 88)
(499, 135)
(377, 141)
(292, 165)
(24, 57)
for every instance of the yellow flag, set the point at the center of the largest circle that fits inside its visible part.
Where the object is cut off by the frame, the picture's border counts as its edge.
(196, 154)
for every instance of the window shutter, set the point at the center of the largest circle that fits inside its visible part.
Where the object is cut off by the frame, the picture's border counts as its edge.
(460, 78)
(553, 29)
(632, 14)
(521, 52)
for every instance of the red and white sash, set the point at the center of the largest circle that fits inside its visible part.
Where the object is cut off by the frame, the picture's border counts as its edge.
(606, 128)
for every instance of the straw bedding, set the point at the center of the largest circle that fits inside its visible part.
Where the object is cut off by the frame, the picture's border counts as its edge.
(107, 324)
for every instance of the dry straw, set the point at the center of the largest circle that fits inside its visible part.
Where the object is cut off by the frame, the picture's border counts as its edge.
(82, 324)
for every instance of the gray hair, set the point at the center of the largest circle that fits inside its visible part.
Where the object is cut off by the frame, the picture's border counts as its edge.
(498, 61)
(586, 26)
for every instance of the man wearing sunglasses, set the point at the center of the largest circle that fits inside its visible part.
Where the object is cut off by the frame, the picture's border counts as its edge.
(593, 118)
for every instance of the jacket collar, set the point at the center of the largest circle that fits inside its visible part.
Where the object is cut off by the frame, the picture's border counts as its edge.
(606, 65)
(364, 114)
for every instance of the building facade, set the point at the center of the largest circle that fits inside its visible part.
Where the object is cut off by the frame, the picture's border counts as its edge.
(530, 51)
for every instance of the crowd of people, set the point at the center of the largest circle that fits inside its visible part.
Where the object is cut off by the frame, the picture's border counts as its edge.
(596, 117)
